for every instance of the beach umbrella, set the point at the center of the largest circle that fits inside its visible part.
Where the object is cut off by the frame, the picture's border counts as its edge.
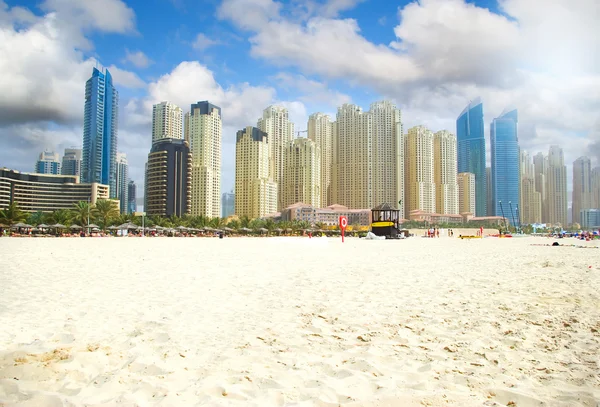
(76, 227)
(92, 226)
(42, 226)
(263, 230)
(182, 228)
(128, 225)
(58, 226)
(21, 225)
(113, 228)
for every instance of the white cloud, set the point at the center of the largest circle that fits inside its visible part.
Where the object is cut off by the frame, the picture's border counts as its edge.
(311, 91)
(137, 58)
(539, 56)
(202, 42)
(43, 74)
(125, 78)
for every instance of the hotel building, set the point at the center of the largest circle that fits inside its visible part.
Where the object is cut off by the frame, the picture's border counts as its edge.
(203, 129)
(329, 215)
(255, 190)
(419, 170)
(46, 192)
(302, 173)
(168, 178)
(446, 186)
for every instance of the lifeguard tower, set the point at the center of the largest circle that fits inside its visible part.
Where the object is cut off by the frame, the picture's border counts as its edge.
(385, 221)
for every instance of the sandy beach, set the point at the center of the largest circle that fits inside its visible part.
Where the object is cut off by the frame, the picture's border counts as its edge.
(298, 322)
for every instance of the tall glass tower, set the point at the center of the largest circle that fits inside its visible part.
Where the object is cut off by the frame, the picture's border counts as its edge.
(504, 142)
(99, 163)
(471, 151)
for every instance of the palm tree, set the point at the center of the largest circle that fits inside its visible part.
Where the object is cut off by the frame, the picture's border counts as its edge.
(244, 221)
(82, 211)
(269, 225)
(12, 214)
(62, 216)
(36, 218)
(106, 210)
(160, 221)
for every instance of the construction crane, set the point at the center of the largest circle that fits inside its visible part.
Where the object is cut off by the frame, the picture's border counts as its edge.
(301, 131)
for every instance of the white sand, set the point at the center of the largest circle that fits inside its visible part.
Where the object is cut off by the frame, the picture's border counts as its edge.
(298, 321)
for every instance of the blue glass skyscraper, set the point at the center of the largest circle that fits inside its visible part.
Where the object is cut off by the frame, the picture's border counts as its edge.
(504, 142)
(471, 151)
(99, 161)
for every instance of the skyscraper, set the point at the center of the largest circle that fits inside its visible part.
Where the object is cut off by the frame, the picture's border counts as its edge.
(255, 190)
(471, 150)
(446, 186)
(504, 143)
(275, 122)
(419, 170)
(131, 197)
(352, 158)
(203, 128)
(540, 171)
(71, 162)
(168, 178)
(167, 121)
(122, 182)
(302, 173)
(228, 204)
(530, 208)
(320, 130)
(99, 163)
(48, 163)
(596, 188)
(489, 199)
(368, 157)
(466, 192)
(387, 143)
(582, 187)
(557, 187)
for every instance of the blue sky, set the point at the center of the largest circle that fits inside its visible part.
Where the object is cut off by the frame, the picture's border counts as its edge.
(429, 56)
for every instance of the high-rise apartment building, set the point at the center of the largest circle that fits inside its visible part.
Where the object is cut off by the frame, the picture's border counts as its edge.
(596, 187)
(320, 130)
(168, 178)
(167, 121)
(100, 127)
(556, 176)
(255, 190)
(419, 170)
(368, 157)
(471, 150)
(446, 186)
(466, 193)
(352, 158)
(582, 187)
(302, 173)
(540, 170)
(387, 144)
(228, 204)
(71, 162)
(203, 128)
(530, 207)
(505, 158)
(131, 197)
(122, 182)
(489, 195)
(48, 163)
(276, 123)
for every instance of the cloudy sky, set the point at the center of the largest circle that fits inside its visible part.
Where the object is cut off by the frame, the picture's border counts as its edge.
(430, 57)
